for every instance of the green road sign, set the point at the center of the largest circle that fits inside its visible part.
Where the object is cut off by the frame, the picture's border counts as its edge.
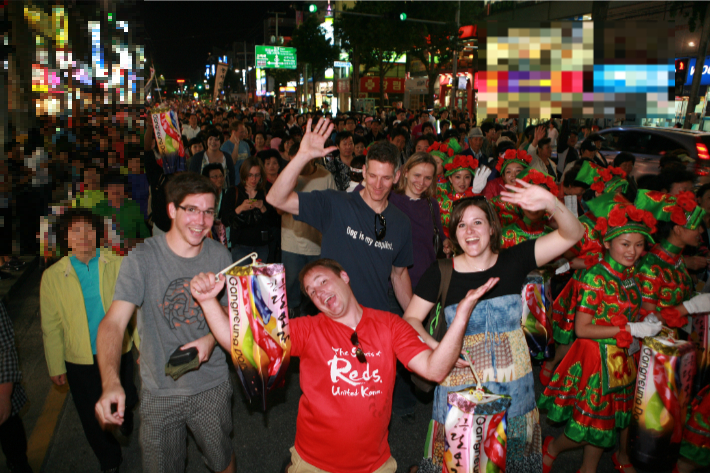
(275, 57)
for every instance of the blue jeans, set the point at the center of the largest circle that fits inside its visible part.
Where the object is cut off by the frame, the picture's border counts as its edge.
(240, 251)
(294, 263)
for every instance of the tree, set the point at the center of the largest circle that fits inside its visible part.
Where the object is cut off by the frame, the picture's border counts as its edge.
(393, 37)
(314, 49)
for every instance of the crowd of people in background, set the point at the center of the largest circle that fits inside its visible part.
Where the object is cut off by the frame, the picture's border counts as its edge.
(473, 206)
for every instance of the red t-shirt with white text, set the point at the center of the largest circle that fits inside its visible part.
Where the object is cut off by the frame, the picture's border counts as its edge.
(346, 405)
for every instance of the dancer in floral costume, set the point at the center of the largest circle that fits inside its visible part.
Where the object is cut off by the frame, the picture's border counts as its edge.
(512, 163)
(695, 446)
(442, 152)
(663, 277)
(592, 388)
(529, 225)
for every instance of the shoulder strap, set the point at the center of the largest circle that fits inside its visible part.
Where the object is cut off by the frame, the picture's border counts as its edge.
(446, 268)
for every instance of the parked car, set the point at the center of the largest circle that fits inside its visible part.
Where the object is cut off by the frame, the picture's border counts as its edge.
(649, 144)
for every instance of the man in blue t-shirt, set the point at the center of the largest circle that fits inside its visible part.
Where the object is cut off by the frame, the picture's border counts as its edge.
(237, 147)
(371, 239)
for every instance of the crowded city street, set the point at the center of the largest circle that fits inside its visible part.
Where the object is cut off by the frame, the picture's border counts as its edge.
(355, 237)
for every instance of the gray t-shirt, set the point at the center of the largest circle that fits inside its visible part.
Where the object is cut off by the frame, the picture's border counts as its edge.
(158, 280)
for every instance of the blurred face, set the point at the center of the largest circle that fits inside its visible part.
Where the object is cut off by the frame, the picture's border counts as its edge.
(330, 293)
(473, 232)
(217, 178)
(360, 149)
(422, 146)
(375, 128)
(115, 193)
(287, 145)
(572, 140)
(213, 143)
(379, 179)
(196, 148)
(254, 177)
(627, 167)
(91, 179)
(399, 142)
(346, 147)
(545, 151)
(511, 171)
(350, 126)
(475, 143)
(193, 121)
(678, 187)
(81, 238)
(491, 134)
(444, 127)
(134, 165)
(626, 249)
(704, 201)
(439, 165)
(534, 216)
(272, 167)
(689, 237)
(259, 141)
(460, 181)
(419, 179)
(192, 228)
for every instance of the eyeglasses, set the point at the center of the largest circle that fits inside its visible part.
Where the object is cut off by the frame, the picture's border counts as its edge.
(359, 354)
(194, 211)
(380, 234)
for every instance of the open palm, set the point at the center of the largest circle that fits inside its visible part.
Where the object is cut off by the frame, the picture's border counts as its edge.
(313, 142)
(528, 196)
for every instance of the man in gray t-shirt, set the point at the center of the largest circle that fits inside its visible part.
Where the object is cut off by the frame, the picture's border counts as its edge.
(156, 276)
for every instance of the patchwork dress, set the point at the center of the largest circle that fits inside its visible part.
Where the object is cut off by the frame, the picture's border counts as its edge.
(592, 388)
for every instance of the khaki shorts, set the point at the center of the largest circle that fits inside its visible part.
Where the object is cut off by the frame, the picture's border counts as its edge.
(299, 465)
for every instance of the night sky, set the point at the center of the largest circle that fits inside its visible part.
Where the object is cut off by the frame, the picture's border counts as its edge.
(180, 34)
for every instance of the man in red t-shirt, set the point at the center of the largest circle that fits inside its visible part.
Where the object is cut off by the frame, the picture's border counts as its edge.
(348, 362)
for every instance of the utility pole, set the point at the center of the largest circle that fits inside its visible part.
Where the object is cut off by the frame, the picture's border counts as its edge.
(246, 72)
(699, 66)
(454, 71)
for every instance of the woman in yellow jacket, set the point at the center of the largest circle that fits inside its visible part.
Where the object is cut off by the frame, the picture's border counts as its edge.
(75, 294)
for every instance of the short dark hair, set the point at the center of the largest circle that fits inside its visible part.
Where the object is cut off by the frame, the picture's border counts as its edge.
(451, 133)
(350, 119)
(399, 132)
(491, 215)
(427, 125)
(293, 150)
(543, 142)
(326, 263)
(187, 183)
(504, 146)
(195, 141)
(114, 179)
(383, 152)
(267, 154)
(343, 135)
(673, 176)
(428, 138)
(486, 127)
(624, 157)
(211, 167)
(570, 177)
(702, 190)
(69, 218)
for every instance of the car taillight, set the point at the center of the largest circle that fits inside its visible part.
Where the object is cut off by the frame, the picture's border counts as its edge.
(702, 151)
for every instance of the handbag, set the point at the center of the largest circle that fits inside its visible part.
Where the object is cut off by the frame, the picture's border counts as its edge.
(438, 244)
(435, 323)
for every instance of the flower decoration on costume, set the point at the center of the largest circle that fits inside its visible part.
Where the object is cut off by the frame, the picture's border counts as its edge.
(619, 320)
(681, 209)
(533, 176)
(513, 156)
(617, 216)
(440, 150)
(672, 317)
(602, 180)
(459, 163)
(623, 339)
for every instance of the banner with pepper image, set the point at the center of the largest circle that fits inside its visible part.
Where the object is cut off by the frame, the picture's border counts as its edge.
(663, 390)
(258, 312)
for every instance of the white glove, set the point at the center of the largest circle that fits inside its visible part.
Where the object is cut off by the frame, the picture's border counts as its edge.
(481, 179)
(563, 269)
(651, 318)
(698, 304)
(645, 329)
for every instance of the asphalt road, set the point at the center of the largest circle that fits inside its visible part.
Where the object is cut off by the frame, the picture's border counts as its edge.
(261, 440)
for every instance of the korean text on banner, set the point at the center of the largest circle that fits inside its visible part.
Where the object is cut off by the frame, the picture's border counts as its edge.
(219, 79)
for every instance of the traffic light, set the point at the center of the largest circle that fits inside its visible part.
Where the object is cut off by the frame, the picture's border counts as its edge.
(312, 8)
(402, 16)
(681, 73)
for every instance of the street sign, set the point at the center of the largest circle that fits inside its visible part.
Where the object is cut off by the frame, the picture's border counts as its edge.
(275, 57)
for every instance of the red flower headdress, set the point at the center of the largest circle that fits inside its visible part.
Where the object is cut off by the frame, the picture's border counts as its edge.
(514, 156)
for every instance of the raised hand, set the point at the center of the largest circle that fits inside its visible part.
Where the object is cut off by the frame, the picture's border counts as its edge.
(313, 142)
(529, 197)
(468, 303)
